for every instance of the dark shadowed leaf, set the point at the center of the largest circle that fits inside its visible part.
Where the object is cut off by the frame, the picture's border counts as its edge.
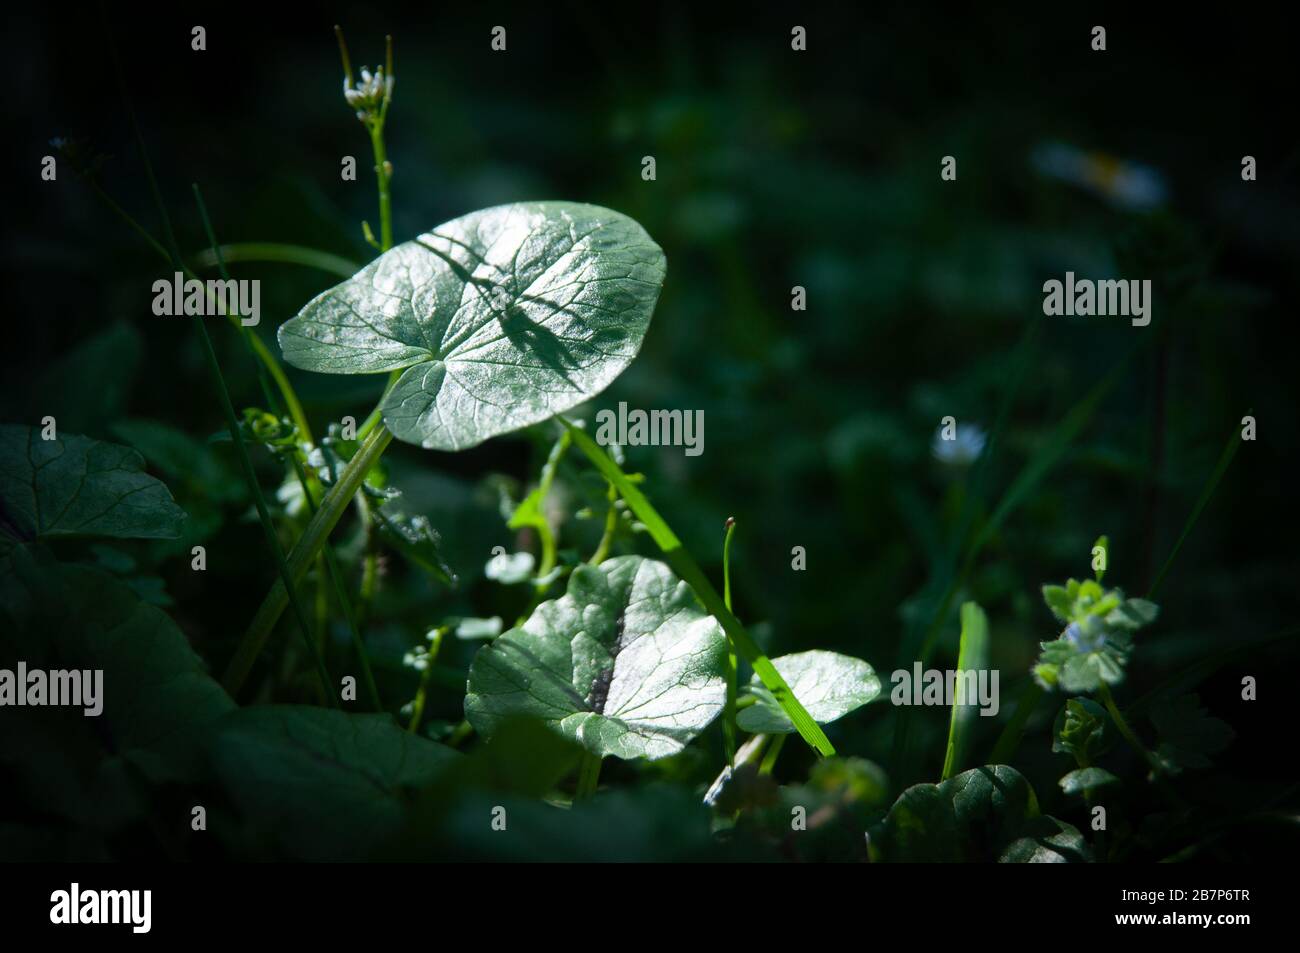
(326, 785)
(158, 699)
(1189, 735)
(1085, 779)
(75, 486)
(985, 814)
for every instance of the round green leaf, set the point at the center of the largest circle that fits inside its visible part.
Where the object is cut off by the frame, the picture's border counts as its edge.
(830, 686)
(76, 486)
(498, 320)
(985, 814)
(626, 662)
(1085, 779)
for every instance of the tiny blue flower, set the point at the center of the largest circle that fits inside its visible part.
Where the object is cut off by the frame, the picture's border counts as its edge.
(1089, 637)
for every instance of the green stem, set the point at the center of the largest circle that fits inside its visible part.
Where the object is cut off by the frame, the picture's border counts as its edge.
(309, 544)
(1009, 740)
(1129, 735)
(611, 525)
(769, 759)
(322, 606)
(341, 595)
(549, 469)
(588, 776)
(377, 415)
(1125, 730)
(729, 710)
(369, 560)
(689, 570)
(381, 174)
(417, 708)
(748, 753)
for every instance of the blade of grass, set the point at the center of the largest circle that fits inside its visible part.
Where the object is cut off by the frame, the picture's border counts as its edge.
(331, 563)
(1225, 458)
(588, 776)
(279, 252)
(729, 709)
(268, 360)
(1194, 674)
(219, 382)
(972, 657)
(684, 564)
(1009, 740)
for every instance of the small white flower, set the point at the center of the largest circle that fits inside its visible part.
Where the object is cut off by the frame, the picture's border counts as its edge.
(368, 94)
(1123, 183)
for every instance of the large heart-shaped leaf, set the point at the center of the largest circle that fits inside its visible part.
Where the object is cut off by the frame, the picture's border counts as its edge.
(498, 320)
(830, 686)
(985, 814)
(76, 486)
(326, 785)
(626, 662)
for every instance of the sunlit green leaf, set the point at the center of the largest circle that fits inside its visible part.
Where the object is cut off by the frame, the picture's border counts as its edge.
(498, 320)
(830, 686)
(626, 662)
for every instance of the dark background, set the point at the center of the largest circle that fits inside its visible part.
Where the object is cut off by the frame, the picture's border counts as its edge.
(775, 168)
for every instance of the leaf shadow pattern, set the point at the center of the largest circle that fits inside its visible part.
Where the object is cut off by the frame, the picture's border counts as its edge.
(527, 335)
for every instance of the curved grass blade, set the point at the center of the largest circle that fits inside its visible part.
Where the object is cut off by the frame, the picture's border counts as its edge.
(974, 658)
(1225, 458)
(279, 252)
(219, 381)
(1009, 740)
(331, 563)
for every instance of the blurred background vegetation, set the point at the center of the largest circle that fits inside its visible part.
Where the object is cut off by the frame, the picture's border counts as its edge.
(775, 168)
